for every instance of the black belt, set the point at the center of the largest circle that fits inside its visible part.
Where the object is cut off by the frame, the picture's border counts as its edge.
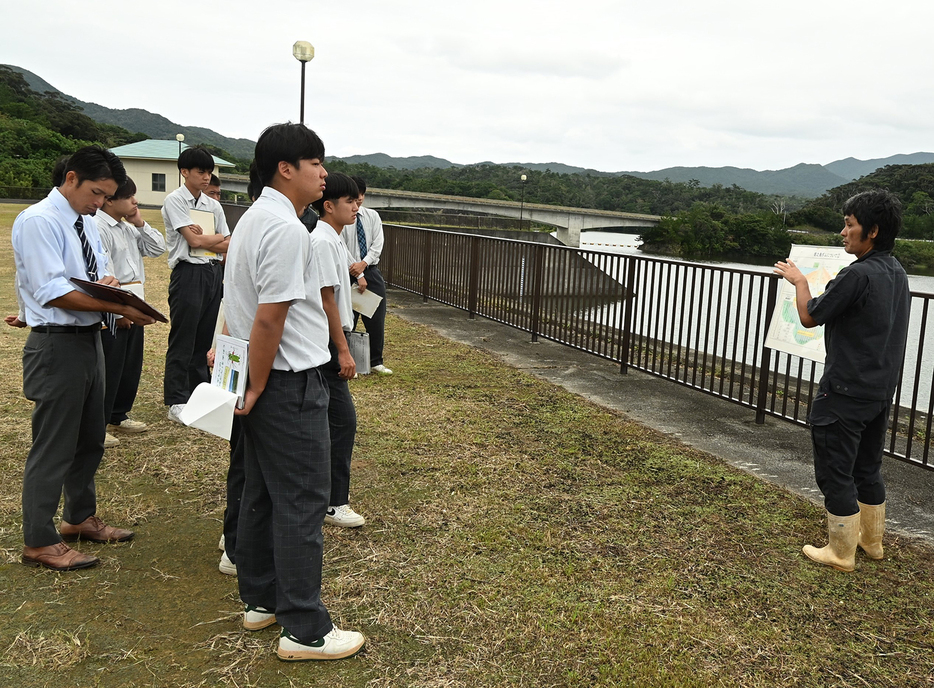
(66, 329)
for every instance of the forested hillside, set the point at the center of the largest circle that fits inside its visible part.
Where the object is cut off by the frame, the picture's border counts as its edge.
(35, 130)
(38, 128)
(913, 184)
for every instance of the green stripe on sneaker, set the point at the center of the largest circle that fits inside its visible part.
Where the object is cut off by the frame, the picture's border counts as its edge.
(317, 643)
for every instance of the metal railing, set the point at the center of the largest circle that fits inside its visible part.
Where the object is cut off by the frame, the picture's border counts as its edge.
(700, 326)
(24, 193)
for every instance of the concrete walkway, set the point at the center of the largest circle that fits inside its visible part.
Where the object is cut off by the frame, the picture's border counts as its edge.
(777, 451)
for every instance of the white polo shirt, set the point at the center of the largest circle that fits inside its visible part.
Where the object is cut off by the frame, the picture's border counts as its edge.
(175, 214)
(333, 268)
(271, 261)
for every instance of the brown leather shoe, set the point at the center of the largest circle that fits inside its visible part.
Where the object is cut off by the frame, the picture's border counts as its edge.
(58, 557)
(94, 530)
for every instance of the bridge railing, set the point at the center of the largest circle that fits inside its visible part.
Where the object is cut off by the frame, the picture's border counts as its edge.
(700, 326)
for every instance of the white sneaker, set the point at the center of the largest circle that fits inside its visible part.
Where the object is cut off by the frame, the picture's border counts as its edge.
(257, 618)
(175, 412)
(110, 440)
(344, 517)
(381, 369)
(226, 566)
(337, 644)
(220, 544)
(129, 425)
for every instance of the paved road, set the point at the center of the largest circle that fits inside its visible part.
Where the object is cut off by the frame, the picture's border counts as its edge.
(776, 451)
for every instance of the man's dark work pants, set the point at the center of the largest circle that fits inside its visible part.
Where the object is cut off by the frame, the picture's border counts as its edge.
(848, 436)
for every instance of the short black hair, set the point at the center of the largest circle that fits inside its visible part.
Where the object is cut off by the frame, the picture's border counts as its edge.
(877, 208)
(255, 186)
(287, 142)
(125, 190)
(215, 181)
(337, 186)
(196, 157)
(360, 183)
(58, 172)
(94, 162)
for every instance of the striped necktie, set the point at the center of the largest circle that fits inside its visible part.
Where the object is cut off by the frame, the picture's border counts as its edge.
(90, 262)
(361, 238)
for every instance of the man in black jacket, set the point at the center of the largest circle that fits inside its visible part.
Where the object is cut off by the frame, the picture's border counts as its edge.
(865, 312)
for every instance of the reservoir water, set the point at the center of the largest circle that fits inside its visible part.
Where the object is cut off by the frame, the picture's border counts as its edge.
(920, 339)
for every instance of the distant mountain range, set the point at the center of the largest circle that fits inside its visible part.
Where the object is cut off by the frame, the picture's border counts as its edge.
(804, 180)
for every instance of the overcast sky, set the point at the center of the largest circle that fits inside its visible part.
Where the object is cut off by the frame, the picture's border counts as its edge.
(607, 84)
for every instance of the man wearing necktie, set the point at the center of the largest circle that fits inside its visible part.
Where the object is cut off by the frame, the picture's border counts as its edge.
(364, 240)
(63, 364)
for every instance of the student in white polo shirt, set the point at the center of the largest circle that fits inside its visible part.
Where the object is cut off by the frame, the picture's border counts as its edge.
(127, 238)
(273, 299)
(196, 284)
(338, 207)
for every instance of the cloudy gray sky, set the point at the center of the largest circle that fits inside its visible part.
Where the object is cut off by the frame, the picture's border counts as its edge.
(612, 85)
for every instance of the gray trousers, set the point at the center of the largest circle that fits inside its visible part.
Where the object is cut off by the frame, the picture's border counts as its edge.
(123, 365)
(375, 326)
(195, 292)
(287, 464)
(342, 426)
(64, 375)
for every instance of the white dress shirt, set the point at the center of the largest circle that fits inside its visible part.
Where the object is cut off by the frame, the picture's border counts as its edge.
(126, 245)
(372, 229)
(48, 252)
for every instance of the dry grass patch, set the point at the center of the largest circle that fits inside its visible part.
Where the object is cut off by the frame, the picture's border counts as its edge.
(54, 651)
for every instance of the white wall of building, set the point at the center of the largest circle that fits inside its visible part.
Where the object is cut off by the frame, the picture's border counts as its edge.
(142, 171)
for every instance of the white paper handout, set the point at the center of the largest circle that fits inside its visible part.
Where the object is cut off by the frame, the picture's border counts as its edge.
(231, 365)
(210, 409)
(205, 220)
(366, 303)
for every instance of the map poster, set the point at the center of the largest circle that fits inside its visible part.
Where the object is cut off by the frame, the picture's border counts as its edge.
(819, 264)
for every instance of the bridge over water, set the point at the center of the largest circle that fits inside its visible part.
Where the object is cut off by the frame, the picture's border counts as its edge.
(569, 221)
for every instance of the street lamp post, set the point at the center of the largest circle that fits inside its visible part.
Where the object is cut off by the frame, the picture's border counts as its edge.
(523, 179)
(303, 51)
(179, 138)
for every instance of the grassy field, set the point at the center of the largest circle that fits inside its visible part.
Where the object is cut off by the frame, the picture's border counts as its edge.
(517, 535)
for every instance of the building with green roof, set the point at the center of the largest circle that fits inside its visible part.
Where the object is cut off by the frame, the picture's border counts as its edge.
(153, 165)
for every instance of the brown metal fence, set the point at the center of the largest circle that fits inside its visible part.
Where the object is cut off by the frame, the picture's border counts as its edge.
(701, 326)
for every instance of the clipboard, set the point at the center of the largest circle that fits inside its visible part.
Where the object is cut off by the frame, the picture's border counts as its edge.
(105, 292)
(205, 220)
